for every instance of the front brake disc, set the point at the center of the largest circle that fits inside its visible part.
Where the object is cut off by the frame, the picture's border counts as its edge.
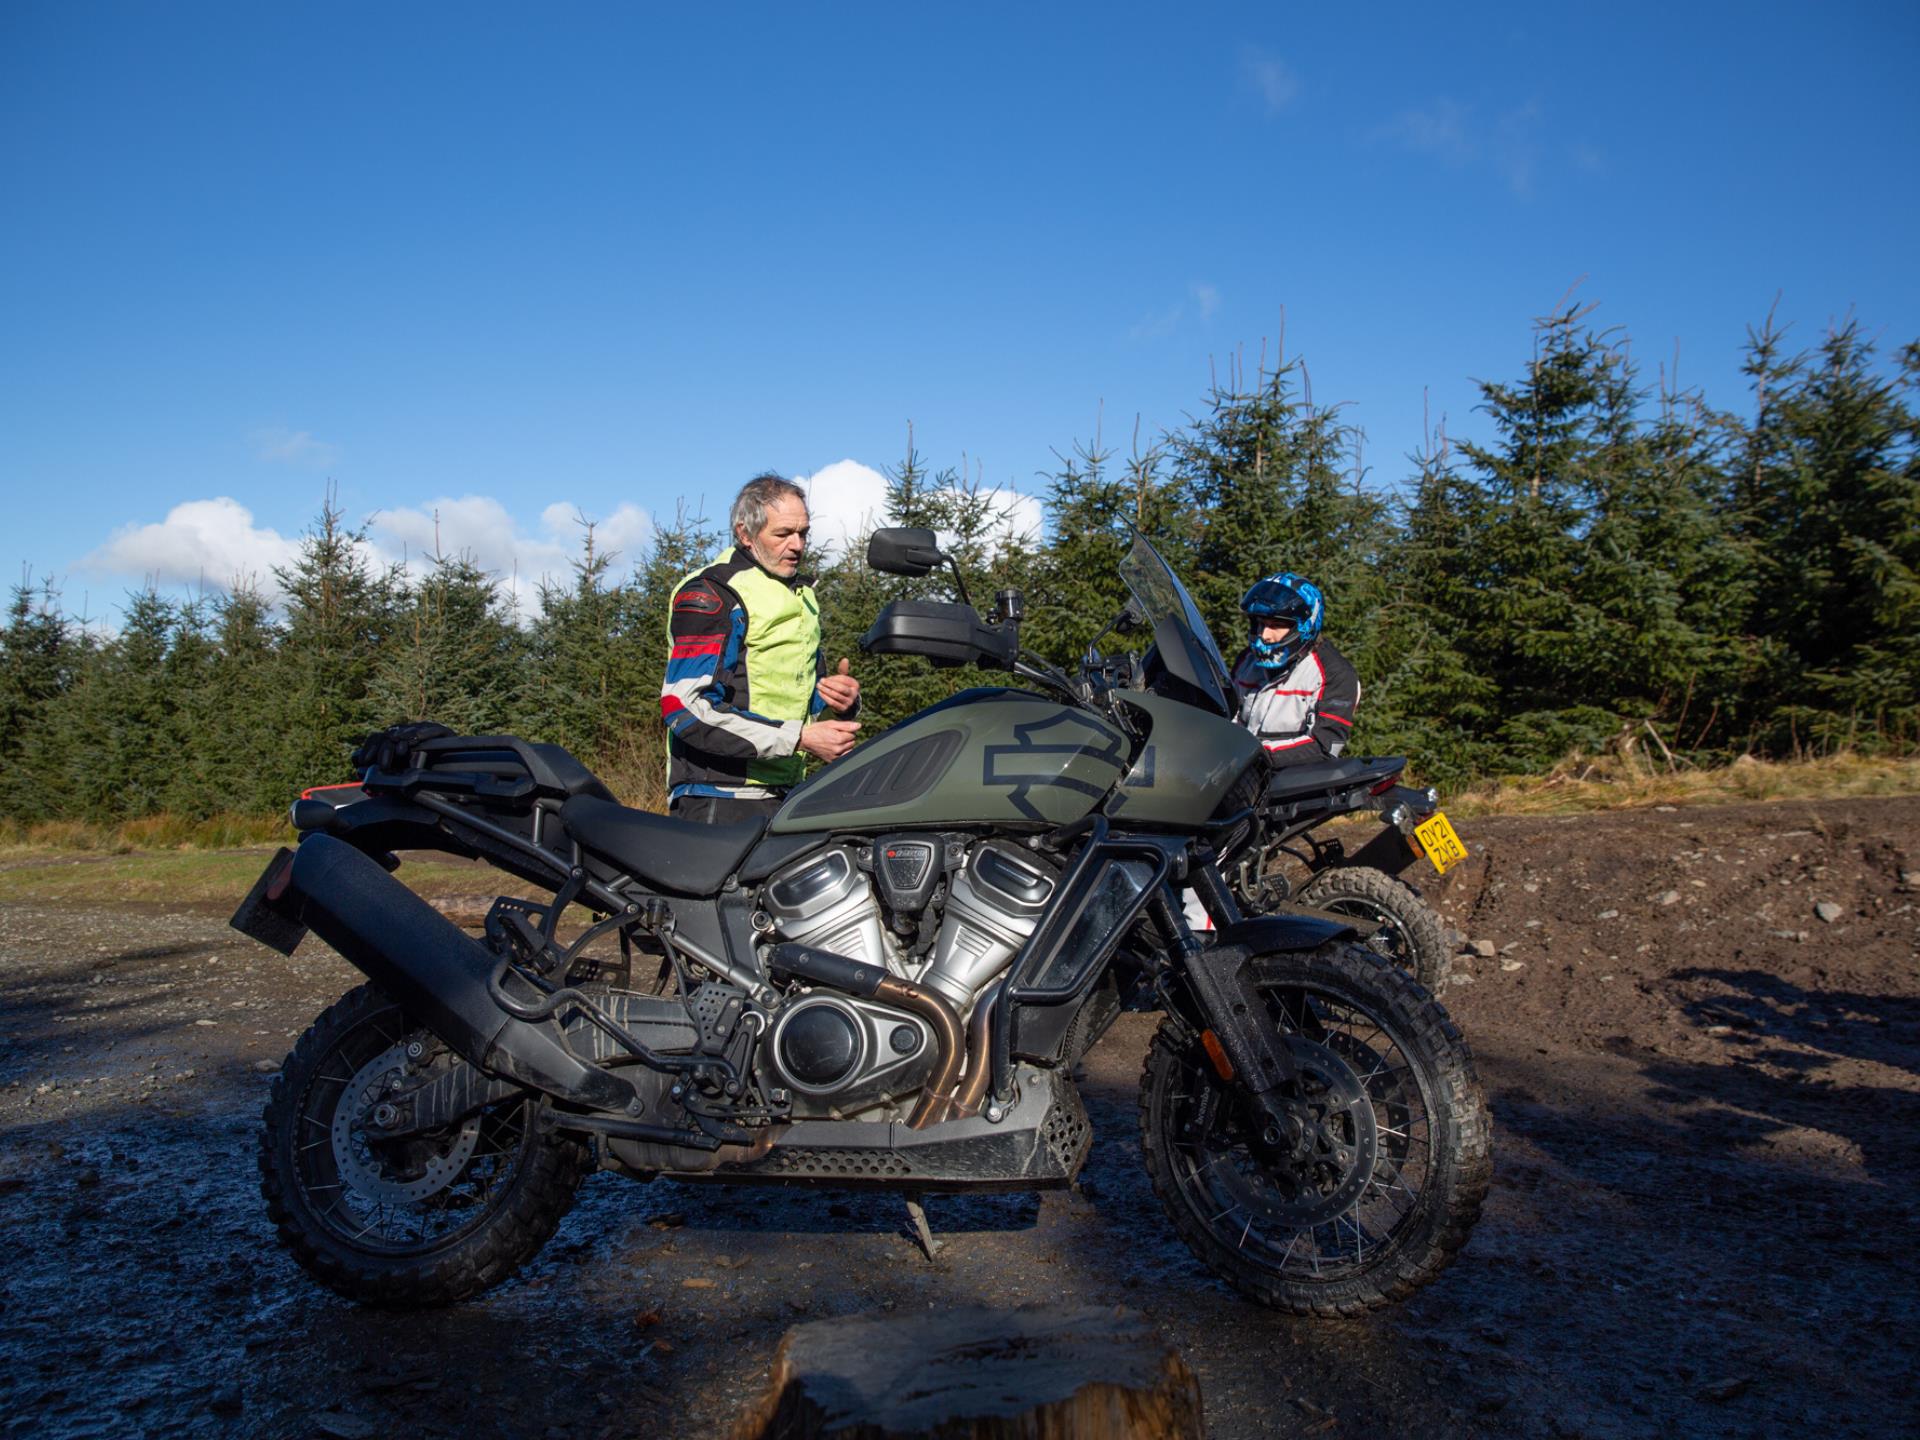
(1334, 1151)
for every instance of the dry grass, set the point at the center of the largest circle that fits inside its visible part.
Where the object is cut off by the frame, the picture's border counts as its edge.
(1614, 780)
(635, 769)
(1626, 781)
(152, 832)
(181, 878)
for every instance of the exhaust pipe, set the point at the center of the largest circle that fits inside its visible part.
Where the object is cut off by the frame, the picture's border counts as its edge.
(872, 983)
(966, 1099)
(437, 973)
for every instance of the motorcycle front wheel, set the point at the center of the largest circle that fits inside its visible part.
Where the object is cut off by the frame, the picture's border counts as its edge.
(421, 1222)
(1384, 1179)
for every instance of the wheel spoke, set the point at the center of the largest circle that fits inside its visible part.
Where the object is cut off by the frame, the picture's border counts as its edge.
(1338, 1207)
(386, 1198)
(1288, 1255)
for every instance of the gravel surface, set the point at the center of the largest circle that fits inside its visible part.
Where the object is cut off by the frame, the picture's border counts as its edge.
(1706, 1091)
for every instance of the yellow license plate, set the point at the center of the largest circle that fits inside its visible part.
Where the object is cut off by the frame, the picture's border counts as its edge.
(1437, 838)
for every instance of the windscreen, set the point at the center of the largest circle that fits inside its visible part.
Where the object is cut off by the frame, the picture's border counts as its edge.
(1186, 645)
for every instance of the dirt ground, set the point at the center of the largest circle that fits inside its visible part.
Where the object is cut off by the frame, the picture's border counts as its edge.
(1703, 1221)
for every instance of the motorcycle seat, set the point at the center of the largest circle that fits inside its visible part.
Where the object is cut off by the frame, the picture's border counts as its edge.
(1323, 777)
(683, 857)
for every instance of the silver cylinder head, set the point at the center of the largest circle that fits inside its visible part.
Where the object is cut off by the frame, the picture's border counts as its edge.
(992, 906)
(826, 901)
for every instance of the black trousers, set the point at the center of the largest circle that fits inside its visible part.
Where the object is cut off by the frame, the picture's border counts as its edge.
(721, 809)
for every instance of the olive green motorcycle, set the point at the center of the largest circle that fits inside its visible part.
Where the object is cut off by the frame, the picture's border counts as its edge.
(887, 983)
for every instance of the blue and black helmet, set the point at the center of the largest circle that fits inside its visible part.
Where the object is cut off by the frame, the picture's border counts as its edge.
(1290, 598)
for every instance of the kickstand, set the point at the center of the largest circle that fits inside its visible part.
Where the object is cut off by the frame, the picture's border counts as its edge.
(921, 1230)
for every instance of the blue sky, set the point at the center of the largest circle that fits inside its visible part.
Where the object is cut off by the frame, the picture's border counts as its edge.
(506, 263)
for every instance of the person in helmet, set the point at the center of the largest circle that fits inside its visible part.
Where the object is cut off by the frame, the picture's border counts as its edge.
(1296, 692)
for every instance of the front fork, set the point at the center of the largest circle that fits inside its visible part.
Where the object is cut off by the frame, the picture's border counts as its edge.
(1240, 1040)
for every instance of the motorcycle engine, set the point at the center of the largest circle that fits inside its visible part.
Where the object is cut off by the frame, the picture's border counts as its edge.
(928, 908)
(994, 902)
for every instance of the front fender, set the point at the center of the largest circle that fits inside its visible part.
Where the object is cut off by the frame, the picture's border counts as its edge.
(1266, 934)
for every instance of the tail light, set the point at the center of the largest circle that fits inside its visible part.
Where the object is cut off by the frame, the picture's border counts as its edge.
(316, 791)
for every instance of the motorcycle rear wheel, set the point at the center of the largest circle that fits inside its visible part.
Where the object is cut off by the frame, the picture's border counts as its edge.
(421, 1223)
(1386, 1199)
(1410, 934)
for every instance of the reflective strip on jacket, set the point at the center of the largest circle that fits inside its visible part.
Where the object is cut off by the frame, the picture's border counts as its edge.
(1305, 714)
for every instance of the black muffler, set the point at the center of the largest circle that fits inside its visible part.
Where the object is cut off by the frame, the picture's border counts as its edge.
(437, 973)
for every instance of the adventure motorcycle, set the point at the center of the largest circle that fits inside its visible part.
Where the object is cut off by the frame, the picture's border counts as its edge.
(886, 984)
(1364, 886)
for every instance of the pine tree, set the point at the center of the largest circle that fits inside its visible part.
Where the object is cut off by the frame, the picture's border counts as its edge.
(1422, 695)
(456, 656)
(342, 610)
(595, 662)
(1270, 484)
(40, 652)
(234, 714)
(1525, 559)
(1664, 584)
(1828, 501)
(1092, 513)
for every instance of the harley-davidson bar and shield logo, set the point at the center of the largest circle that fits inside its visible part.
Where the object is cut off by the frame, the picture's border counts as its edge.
(1043, 752)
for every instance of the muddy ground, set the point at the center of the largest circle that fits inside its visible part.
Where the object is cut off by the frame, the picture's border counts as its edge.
(1703, 1217)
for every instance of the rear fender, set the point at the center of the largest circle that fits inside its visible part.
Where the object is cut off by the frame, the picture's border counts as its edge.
(1389, 851)
(369, 822)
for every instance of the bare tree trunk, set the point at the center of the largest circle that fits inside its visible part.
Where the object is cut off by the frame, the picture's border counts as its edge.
(1034, 1373)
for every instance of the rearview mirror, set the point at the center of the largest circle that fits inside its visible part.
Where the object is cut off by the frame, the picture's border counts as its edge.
(904, 550)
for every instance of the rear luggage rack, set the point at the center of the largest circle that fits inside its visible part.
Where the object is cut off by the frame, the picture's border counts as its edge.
(501, 771)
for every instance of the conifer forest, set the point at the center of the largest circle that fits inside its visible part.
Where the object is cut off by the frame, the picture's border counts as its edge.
(1611, 558)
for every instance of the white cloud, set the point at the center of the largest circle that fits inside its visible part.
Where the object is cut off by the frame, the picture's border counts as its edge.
(1159, 324)
(293, 447)
(847, 499)
(482, 528)
(1026, 516)
(213, 542)
(1516, 147)
(217, 543)
(1272, 77)
(1207, 297)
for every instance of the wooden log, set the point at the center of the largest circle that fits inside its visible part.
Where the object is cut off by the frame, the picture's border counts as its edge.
(1038, 1372)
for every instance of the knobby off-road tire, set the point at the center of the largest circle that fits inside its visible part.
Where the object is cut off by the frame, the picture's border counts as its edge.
(1282, 1231)
(1410, 934)
(426, 1224)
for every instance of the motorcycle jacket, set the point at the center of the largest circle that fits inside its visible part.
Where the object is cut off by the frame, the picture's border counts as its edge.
(742, 661)
(1303, 714)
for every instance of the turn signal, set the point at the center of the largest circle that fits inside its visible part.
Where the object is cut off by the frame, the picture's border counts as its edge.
(1217, 1053)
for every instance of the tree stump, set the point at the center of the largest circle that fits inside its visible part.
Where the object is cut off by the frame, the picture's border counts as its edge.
(971, 1373)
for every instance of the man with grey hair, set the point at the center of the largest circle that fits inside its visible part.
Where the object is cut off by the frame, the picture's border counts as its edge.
(747, 694)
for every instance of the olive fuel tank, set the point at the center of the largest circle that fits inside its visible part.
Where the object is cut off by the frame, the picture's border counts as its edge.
(988, 756)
